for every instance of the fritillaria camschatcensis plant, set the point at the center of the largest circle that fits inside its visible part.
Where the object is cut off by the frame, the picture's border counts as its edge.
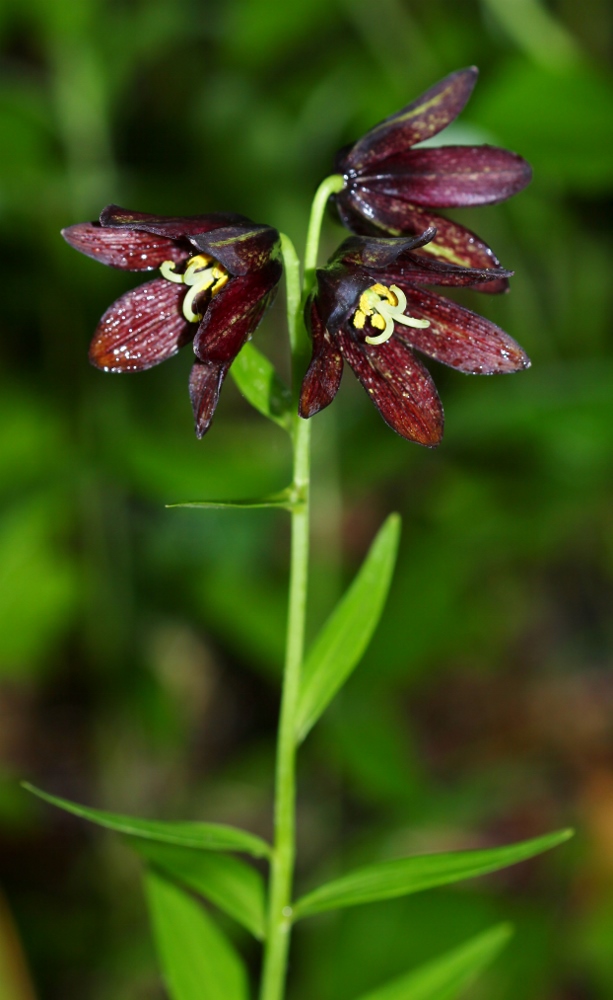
(373, 307)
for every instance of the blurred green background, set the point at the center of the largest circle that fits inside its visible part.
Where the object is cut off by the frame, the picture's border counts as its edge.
(140, 647)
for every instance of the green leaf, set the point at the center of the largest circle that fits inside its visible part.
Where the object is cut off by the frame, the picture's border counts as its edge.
(198, 963)
(446, 977)
(424, 871)
(340, 645)
(287, 499)
(205, 836)
(259, 383)
(235, 887)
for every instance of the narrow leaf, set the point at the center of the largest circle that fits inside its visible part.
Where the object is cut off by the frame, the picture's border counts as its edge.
(206, 836)
(198, 963)
(235, 887)
(447, 977)
(259, 383)
(424, 871)
(340, 645)
(286, 499)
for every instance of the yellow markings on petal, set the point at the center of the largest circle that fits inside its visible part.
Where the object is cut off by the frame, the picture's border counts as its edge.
(200, 277)
(384, 306)
(432, 105)
(440, 250)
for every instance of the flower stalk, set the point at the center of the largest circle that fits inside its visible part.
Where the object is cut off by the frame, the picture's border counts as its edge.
(331, 185)
(282, 867)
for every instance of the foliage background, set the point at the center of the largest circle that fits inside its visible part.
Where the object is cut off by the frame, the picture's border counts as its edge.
(140, 647)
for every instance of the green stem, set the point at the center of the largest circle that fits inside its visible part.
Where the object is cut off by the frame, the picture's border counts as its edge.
(331, 185)
(282, 866)
(291, 265)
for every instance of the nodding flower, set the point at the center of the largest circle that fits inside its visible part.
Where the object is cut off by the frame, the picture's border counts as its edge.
(217, 275)
(368, 309)
(391, 186)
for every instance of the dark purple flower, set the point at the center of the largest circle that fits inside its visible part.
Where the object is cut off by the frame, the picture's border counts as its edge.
(218, 274)
(391, 187)
(368, 308)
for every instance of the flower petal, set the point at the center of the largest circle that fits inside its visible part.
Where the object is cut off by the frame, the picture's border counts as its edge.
(205, 382)
(141, 329)
(241, 248)
(323, 376)
(377, 252)
(453, 243)
(399, 386)
(128, 249)
(419, 269)
(396, 258)
(234, 313)
(419, 120)
(172, 226)
(458, 337)
(449, 176)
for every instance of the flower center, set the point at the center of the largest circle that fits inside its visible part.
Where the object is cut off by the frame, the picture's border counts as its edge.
(201, 273)
(384, 306)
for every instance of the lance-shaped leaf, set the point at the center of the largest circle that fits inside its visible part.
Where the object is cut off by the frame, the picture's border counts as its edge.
(287, 499)
(235, 887)
(257, 379)
(198, 962)
(341, 643)
(205, 836)
(425, 871)
(447, 977)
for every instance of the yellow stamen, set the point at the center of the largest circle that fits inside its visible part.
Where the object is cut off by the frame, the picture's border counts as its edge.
(200, 277)
(385, 306)
(385, 293)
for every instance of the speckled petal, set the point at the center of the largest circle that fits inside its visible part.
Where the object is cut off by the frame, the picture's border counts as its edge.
(172, 226)
(458, 337)
(323, 376)
(234, 313)
(399, 386)
(453, 243)
(128, 249)
(419, 120)
(449, 176)
(205, 382)
(142, 328)
(241, 249)
(379, 252)
(423, 269)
